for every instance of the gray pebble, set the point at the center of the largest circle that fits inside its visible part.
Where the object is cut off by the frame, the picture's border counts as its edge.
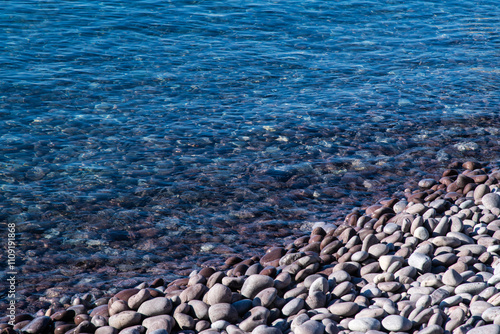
(420, 262)
(397, 323)
(491, 200)
(254, 284)
(364, 324)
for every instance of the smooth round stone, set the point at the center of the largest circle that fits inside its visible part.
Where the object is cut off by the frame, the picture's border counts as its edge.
(426, 183)
(477, 308)
(480, 191)
(450, 301)
(396, 323)
(193, 292)
(390, 228)
(108, 330)
(266, 297)
(343, 289)
(217, 294)
(389, 286)
(299, 320)
(491, 200)
(136, 300)
(258, 316)
(310, 327)
(471, 288)
(320, 284)
(378, 250)
(184, 321)
(37, 325)
(364, 324)
(370, 291)
(339, 276)
(370, 313)
(159, 331)
(316, 299)
(416, 209)
(99, 321)
(200, 309)
(344, 309)
(243, 306)
(220, 325)
(452, 278)
(282, 280)
(155, 306)
(293, 307)
(223, 311)
(491, 313)
(138, 329)
(420, 262)
(432, 329)
(263, 329)
(421, 233)
(487, 329)
(159, 321)
(359, 256)
(125, 319)
(386, 261)
(255, 284)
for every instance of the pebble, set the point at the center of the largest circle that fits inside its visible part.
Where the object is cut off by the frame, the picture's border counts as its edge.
(258, 316)
(125, 319)
(487, 329)
(310, 327)
(155, 306)
(420, 262)
(219, 293)
(471, 288)
(254, 284)
(364, 324)
(491, 200)
(344, 309)
(293, 307)
(223, 311)
(163, 321)
(396, 323)
(421, 233)
(37, 325)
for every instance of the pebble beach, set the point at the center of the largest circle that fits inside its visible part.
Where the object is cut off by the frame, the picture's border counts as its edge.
(428, 262)
(249, 166)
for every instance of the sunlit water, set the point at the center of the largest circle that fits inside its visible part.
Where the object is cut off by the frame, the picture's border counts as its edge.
(146, 139)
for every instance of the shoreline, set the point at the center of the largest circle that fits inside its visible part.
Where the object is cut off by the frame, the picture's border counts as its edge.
(402, 264)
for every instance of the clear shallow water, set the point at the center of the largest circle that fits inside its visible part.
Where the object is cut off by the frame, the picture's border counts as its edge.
(145, 139)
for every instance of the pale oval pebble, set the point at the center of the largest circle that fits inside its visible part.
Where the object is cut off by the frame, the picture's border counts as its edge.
(487, 329)
(364, 324)
(490, 314)
(396, 323)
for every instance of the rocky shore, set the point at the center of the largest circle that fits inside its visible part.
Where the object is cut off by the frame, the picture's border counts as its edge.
(426, 263)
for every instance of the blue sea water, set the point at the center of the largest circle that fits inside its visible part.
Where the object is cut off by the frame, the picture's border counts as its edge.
(147, 138)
